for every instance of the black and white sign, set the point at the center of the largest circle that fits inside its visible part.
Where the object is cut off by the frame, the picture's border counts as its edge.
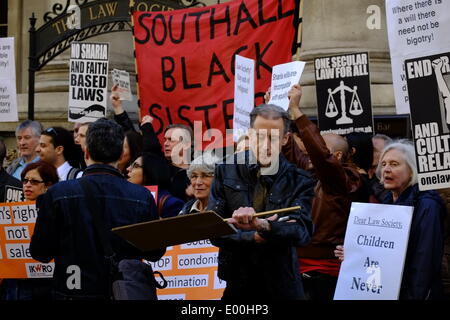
(88, 91)
(121, 79)
(375, 247)
(343, 93)
(415, 29)
(428, 81)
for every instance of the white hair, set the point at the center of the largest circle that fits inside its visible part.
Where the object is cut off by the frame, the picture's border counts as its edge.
(206, 163)
(406, 148)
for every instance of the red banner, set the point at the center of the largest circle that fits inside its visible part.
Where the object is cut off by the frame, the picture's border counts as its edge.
(185, 58)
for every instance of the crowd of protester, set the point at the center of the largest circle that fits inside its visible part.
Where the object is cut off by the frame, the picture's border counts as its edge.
(293, 256)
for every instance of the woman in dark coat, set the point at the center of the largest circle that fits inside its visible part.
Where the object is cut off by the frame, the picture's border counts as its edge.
(422, 271)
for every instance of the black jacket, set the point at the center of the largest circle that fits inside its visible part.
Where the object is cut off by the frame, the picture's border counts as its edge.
(268, 270)
(65, 232)
(10, 188)
(422, 271)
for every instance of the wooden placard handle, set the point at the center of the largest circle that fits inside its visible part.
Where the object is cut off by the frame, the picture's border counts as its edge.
(267, 213)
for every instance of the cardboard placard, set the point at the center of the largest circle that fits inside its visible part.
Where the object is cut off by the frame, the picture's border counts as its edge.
(428, 81)
(157, 234)
(17, 222)
(343, 93)
(88, 90)
(375, 247)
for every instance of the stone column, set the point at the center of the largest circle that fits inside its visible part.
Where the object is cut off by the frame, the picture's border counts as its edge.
(333, 27)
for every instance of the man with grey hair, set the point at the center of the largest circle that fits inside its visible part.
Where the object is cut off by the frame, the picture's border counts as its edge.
(338, 185)
(27, 135)
(260, 261)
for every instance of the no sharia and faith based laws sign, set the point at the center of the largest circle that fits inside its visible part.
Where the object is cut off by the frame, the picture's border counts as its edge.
(343, 93)
(375, 246)
(428, 81)
(415, 29)
(185, 58)
(88, 90)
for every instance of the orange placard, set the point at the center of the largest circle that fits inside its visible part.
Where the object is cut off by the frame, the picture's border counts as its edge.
(191, 272)
(17, 221)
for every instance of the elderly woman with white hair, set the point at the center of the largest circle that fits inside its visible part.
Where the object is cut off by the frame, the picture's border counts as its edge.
(201, 174)
(422, 271)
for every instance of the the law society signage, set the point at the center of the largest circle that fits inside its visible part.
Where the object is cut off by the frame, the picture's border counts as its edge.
(428, 81)
(375, 247)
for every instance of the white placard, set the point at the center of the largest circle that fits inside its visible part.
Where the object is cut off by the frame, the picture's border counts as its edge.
(88, 90)
(284, 76)
(121, 78)
(374, 248)
(415, 28)
(8, 93)
(244, 95)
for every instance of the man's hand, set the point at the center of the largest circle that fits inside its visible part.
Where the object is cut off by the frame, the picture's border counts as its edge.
(294, 95)
(115, 100)
(243, 218)
(146, 119)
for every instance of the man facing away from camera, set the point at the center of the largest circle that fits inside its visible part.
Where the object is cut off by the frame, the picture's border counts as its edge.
(65, 229)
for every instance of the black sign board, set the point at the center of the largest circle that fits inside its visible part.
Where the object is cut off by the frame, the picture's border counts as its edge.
(428, 80)
(343, 93)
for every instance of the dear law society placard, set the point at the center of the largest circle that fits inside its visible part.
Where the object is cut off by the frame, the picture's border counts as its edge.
(428, 81)
(343, 93)
(375, 246)
(88, 90)
(415, 28)
(8, 94)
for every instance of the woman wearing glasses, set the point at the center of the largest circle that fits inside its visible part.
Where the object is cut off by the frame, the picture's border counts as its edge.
(37, 177)
(201, 174)
(151, 170)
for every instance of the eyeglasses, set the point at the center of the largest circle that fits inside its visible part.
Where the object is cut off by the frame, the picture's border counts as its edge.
(32, 181)
(135, 165)
(203, 176)
(51, 131)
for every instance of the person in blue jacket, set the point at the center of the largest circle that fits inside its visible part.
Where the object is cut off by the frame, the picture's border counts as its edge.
(397, 171)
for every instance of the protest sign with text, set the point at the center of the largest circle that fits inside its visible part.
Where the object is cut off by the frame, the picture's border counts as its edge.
(375, 247)
(343, 93)
(244, 95)
(428, 81)
(191, 272)
(8, 94)
(284, 76)
(185, 58)
(415, 28)
(88, 90)
(121, 79)
(17, 223)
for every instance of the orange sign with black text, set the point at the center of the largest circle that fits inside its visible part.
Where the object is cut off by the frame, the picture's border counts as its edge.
(17, 221)
(191, 272)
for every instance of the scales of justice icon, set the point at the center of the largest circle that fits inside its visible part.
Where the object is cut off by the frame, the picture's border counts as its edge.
(355, 104)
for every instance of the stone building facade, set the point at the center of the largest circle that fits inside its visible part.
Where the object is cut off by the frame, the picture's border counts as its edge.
(328, 27)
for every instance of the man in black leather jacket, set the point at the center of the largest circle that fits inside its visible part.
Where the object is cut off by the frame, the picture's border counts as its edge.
(260, 260)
